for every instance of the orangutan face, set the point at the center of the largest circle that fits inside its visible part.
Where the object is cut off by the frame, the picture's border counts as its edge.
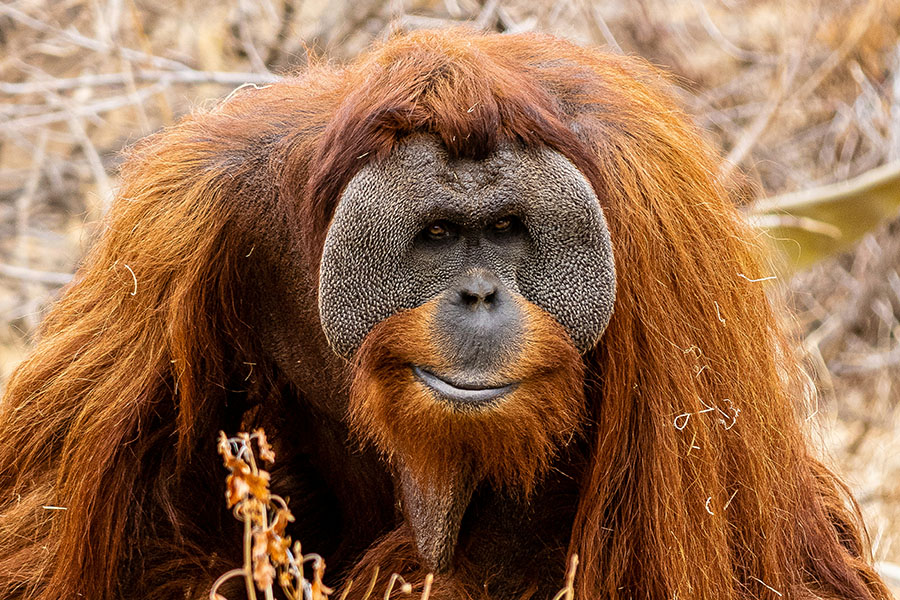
(464, 292)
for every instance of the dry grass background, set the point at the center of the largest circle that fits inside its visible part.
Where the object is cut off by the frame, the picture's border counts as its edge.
(795, 93)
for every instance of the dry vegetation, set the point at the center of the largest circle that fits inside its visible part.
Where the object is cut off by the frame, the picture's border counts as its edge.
(270, 557)
(795, 93)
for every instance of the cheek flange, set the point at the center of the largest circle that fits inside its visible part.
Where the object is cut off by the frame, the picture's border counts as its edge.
(369, 271)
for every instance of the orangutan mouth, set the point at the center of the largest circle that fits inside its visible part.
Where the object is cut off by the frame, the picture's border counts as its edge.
(467, 394)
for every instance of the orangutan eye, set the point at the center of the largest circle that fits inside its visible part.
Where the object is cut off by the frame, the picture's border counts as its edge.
(504, 224)
(438, 230)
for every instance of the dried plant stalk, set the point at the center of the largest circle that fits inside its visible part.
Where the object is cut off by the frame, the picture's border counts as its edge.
(269, 555)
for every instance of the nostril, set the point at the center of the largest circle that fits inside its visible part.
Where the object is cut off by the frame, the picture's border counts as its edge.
(468, 298)
(475, 300)
(478, 290)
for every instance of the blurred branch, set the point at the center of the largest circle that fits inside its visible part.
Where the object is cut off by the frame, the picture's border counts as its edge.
(121, 79)
(598, 24)
(894, 132)
(26, 274)
(26, 198)
(104, 187)
(727, 45)
(761, 123)
(24, 205)
(414, 22)
(90, 43)
(836, 58)
(867, 364)
(246, 37)
(107, 104)
(488, 13)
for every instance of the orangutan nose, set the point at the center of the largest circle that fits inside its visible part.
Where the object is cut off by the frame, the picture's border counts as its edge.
(479, 291)
(479, 324)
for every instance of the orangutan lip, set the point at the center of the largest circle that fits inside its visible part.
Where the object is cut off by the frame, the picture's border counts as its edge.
(458, 392)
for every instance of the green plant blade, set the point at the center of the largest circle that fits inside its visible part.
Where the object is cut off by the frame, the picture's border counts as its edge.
(807, 226)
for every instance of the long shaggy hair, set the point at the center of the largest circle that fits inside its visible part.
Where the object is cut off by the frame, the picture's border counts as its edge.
(196, 311)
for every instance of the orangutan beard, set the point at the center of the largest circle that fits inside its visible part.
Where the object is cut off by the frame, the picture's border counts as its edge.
(440, 451)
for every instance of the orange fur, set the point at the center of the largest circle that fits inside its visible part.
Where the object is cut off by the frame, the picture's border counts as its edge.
(221, 219)
(511, 442)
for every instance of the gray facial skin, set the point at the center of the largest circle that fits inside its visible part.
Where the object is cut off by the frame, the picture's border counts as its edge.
(379, 259)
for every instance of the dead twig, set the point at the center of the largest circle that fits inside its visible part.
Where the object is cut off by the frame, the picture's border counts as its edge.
(86, 110)
(751, 136)
(598, 24)
(33, 275)
(121, 79)
(89, 43)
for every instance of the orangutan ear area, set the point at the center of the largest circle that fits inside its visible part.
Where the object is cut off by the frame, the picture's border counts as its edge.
(471, 317)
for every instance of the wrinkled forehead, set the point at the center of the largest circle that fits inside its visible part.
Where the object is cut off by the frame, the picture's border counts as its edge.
(420, 181)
